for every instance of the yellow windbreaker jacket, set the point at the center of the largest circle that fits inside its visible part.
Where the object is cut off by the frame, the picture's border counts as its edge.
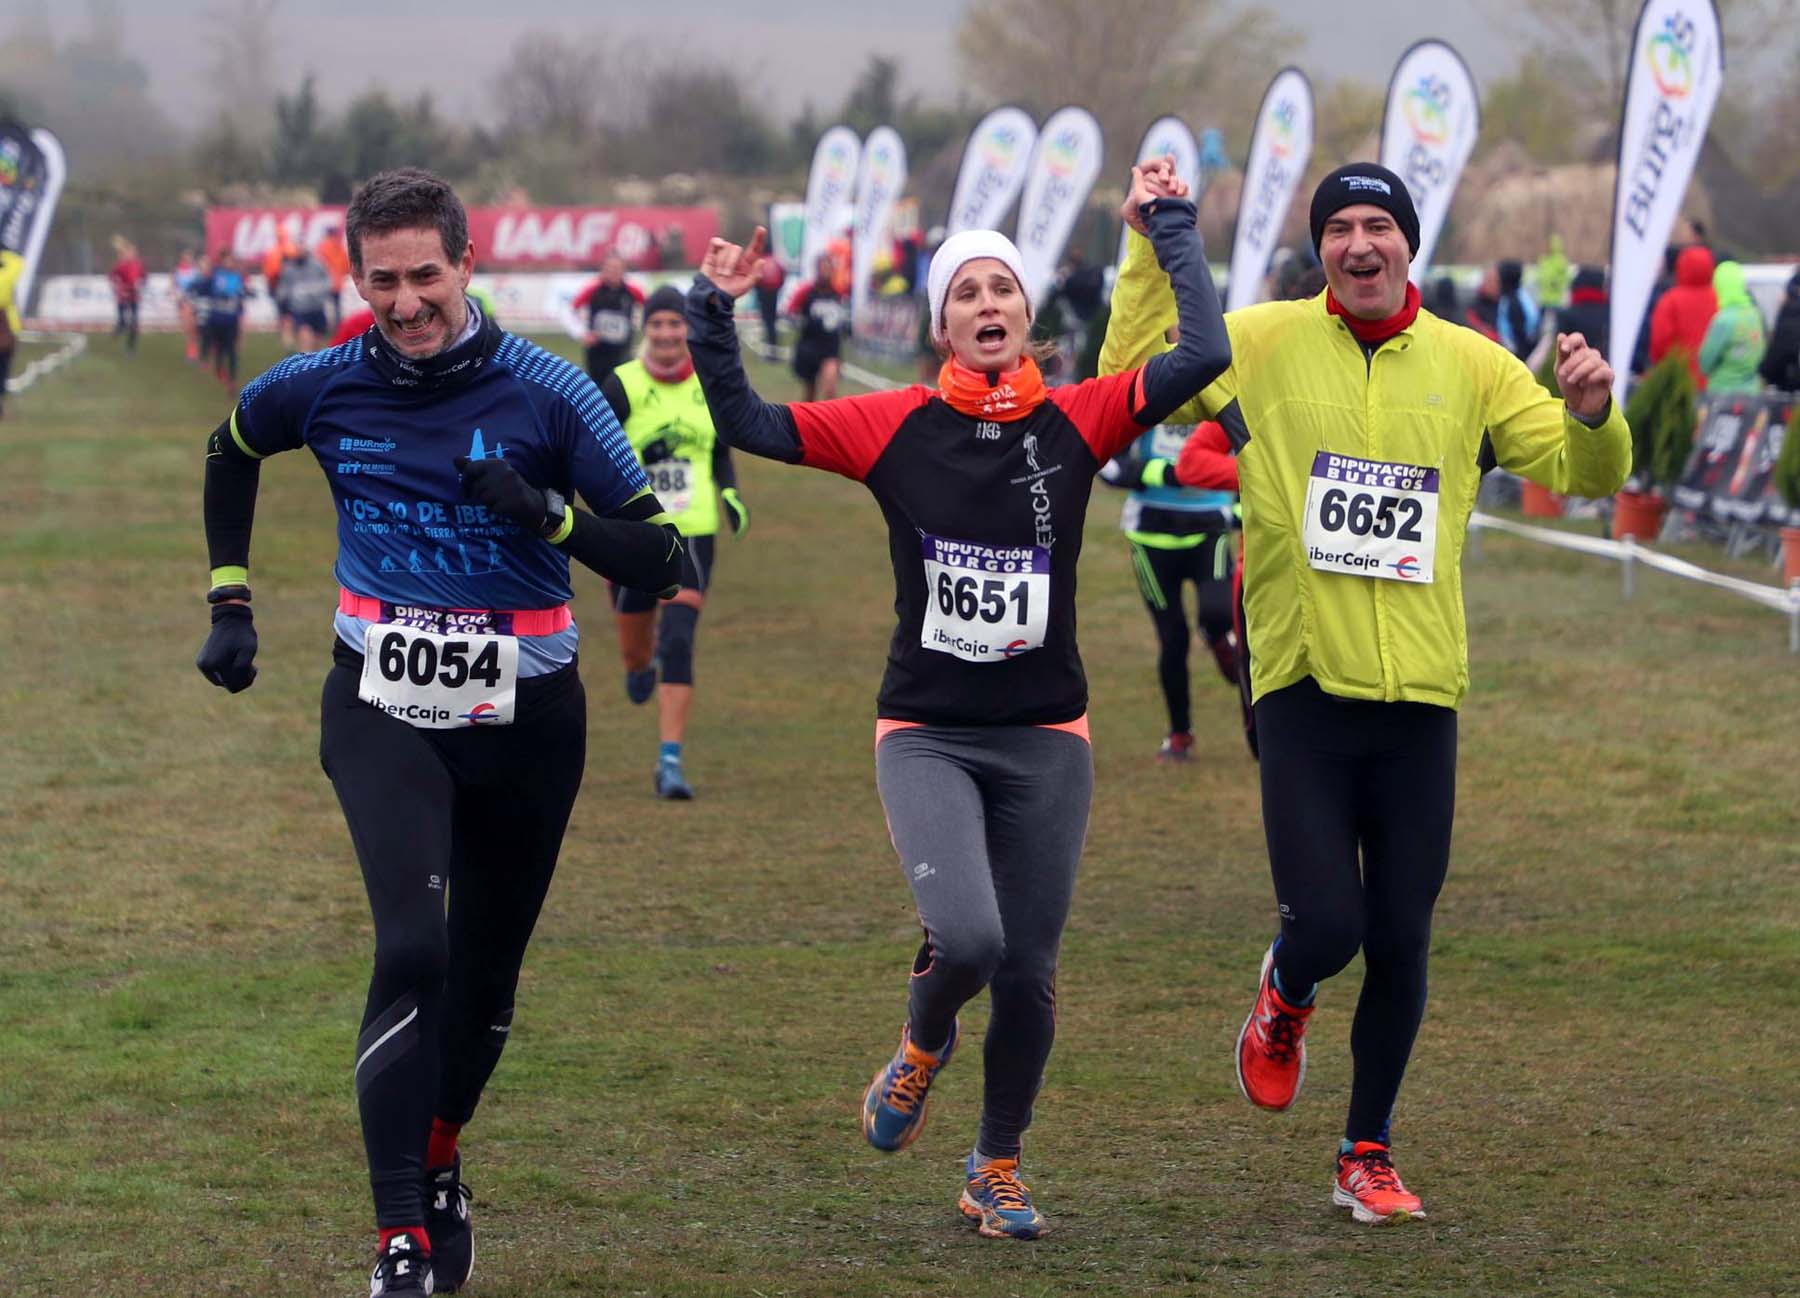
(1300, 384)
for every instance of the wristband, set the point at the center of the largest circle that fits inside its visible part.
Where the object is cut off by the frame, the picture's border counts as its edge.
(228, 594)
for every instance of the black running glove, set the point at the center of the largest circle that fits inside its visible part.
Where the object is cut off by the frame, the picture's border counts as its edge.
(496, 484)
(227, 657)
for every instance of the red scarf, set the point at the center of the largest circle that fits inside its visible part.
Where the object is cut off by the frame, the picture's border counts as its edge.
(677, 373)
(1002, 397)
(1371, 332)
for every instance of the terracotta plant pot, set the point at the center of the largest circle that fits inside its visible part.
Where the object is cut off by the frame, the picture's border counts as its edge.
(1539, 501)
(1790, 555)
(1638, 514)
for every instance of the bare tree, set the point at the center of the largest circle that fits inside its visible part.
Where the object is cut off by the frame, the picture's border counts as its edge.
(240, 42)
(550, 85)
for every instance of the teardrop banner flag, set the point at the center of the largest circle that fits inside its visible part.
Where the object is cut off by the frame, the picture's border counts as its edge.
(1057, 183)
(828, 192)
(993, 169)
(1280, 147)
(1169, 135)
(1677, 69)
(31, 181)
(1433, 116)
(878, 186)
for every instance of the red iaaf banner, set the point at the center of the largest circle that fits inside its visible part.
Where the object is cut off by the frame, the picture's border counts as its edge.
(535, 238)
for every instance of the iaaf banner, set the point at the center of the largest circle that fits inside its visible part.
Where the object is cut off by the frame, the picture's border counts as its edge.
(534, 238)
(31, 180)
(878, 186)
(1677, 68)
(1169, 135)
(1063, 167)
(1433, 116)
(828, 194)
(1279, 149)
(993, 169)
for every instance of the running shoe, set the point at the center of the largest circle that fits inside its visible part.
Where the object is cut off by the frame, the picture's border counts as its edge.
(401, 1270)
(448, 1225)
(893, 1109)
(998, 1202)
(1178, 747)
(639, 686)
(1271, 1049)
(670, 782)
(1368, 1185)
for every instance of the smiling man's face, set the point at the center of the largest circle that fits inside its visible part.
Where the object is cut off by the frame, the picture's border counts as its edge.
(1366, 258)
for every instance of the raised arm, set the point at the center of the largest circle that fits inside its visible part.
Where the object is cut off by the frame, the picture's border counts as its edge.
(744, 421)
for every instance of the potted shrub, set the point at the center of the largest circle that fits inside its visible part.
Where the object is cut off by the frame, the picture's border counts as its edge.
(1661, 413)
(1787, 483)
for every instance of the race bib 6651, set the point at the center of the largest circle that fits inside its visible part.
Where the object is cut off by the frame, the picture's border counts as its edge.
(984, 603)
(1371, 518)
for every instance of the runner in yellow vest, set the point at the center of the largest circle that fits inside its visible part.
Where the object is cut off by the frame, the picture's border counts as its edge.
(663, 411)
(1361, 425)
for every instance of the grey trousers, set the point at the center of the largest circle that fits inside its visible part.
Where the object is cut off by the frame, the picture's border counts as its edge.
(989, 822)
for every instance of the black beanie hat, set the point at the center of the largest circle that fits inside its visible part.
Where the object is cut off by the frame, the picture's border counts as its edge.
(666, 298)
(1365, 182)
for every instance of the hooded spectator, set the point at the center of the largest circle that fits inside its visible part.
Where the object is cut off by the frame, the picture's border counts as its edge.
(1588, 313)
(1518, 311)
(1734, 342)
(1682, 314)
(1781, 360)
(1442, 302)
(1483, 315)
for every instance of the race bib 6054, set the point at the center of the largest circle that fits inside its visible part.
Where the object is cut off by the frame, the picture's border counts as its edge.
(439, 682)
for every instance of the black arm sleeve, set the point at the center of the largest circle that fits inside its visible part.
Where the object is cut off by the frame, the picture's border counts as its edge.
(228, 500)
(614, 392)
(724, 472)
(744, 420)
(1204, 349)
(627, 547)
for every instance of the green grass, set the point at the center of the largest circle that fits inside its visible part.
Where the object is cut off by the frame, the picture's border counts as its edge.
(1603, 1099)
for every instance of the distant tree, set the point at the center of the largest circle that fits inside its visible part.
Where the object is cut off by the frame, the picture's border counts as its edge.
(226, 156)
(1538, 107)
(303, 148)
(1346, 118)
(240, 38)
(699, 118)
(874, 99)
(552, 86)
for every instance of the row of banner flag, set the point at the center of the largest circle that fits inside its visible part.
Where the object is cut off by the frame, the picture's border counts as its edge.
(1429, 129)
(31, 180)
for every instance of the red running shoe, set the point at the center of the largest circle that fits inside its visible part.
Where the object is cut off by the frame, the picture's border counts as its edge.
(1368, 1185)
(1271, 1050)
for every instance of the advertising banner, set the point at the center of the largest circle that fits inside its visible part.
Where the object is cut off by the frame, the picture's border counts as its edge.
(31, 180)
(1279, 149)
(525, 238)
(1433, 116)
(1730, 477)
(1677, 68)
(828, 193)
(1170, 135)
(1064, 163)
(878, 186)
(993, 169)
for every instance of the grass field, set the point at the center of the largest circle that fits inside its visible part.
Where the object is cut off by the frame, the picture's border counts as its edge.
(1603, 1100)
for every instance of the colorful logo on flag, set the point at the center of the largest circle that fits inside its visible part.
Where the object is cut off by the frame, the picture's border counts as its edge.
(1427, 109)
(837, 163)
(999, 148)
(1669, 52)
(1281, 133)
(1060, 154)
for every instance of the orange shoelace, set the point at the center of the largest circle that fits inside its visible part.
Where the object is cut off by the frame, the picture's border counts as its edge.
(908, 1089)
(1000, 1180)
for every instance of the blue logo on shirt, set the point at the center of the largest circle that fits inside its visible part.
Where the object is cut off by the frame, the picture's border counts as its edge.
(478, 449)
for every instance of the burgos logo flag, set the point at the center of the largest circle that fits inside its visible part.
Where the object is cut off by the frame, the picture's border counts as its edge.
(878, 187)
(1062, 171)
(1279, 150)
(1166, 136)
(993, 169)
(1677, 69)
(1433, 117)
(828, 193)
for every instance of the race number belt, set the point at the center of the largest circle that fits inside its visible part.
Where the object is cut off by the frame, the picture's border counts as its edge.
(440, 682)
(984, 603)
(467, 621)
(672, 482)
(1371, 518)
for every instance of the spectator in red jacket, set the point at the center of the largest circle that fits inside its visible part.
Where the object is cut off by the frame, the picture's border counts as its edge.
(1682, 314)
(127, 280)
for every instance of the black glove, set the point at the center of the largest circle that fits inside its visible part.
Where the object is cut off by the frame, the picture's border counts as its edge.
(736, 510)
(496, 484)
(227, 657)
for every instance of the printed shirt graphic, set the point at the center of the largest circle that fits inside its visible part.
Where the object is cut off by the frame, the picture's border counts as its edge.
(670, 428)
(406, 532)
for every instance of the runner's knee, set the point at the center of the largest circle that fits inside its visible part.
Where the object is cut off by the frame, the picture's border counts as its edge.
(675, 643)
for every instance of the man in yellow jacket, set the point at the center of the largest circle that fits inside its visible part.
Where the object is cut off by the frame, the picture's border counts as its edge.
(12, 266)
(1361, 426)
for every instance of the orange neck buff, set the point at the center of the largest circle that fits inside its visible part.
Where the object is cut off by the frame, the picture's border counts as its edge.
(1002, 397)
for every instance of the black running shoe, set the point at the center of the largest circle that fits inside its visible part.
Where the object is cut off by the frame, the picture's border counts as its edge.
(401, 1270)
(447, 1223)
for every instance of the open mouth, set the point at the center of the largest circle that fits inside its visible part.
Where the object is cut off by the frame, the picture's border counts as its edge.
(416, 329)
(990, 335)
(1363, 273)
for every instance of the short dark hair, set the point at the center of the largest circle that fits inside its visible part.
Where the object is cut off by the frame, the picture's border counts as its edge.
(407, 198)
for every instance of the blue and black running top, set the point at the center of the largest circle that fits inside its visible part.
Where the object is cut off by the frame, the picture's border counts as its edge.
(386, 430)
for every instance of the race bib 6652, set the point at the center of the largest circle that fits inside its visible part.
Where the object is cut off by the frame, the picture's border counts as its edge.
(1371, 518)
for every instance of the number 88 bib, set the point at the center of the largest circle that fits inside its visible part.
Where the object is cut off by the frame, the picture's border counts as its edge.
(1371, 518)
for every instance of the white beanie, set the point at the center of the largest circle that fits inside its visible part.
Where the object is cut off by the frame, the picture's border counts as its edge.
(958, 251)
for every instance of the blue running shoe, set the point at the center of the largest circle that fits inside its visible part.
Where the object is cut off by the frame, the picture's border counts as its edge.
(671, 783)
(893, 1110)
(639, 686)
(998, 1202)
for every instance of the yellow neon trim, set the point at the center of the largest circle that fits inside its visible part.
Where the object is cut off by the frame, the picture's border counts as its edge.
(561, 534)
(664, 519)
(229, 576)
(239, 438)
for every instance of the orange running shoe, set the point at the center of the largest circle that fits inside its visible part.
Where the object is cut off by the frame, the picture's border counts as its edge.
(1368, 1185)
(1271, 1050)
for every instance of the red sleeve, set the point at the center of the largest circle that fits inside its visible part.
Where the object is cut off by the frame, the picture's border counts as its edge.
(1104, 410)
(637, 294)
(1206, 459)
(581, 298)
(847, 435)
(802, 295)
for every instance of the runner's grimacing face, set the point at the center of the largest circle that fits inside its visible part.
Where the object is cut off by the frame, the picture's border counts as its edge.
(665, 338)
(415, 290)
(1366, 259)
(986, 317)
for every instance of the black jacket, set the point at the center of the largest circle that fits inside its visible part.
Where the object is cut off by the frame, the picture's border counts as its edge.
(1780, 366)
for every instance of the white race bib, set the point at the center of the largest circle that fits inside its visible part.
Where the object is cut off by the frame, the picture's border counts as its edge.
(984, 603)
(1371, 518)
(440, 682)
(673, 483)
(829, 313)
(612, 327)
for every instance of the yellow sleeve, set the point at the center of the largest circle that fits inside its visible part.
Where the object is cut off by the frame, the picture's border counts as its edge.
(1143, 311)
(1536, 437)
